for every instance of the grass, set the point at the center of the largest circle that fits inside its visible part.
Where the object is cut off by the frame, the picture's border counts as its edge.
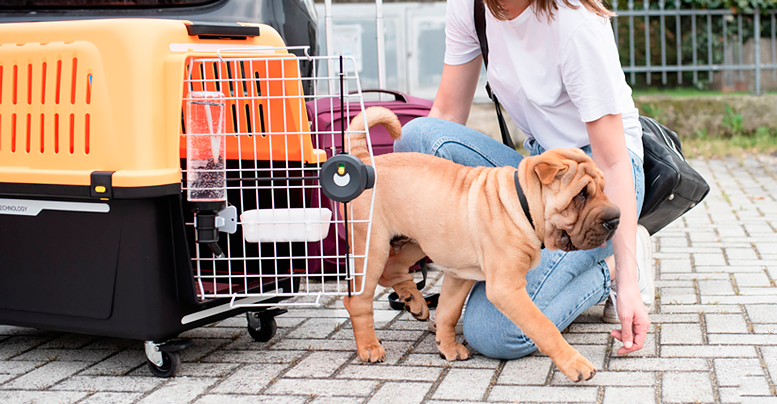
(681, 92)
(686, 92)
(762, 142)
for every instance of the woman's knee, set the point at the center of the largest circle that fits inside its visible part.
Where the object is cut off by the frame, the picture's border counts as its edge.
(489, 332)
(418, 136)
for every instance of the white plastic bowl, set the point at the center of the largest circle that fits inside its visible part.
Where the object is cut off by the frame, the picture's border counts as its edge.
(278, 225)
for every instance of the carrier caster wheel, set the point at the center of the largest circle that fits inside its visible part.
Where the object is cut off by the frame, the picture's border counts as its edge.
(261, 326)
(170, 363)
(163, 358)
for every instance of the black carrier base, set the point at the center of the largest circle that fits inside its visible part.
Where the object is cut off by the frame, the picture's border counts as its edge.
(125, 272)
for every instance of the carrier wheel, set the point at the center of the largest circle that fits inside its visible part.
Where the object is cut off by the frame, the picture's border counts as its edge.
(261, 326)
(170, 363)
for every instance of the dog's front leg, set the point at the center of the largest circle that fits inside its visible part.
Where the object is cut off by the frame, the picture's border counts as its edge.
(360, 306)
(510, 297)
(452, 296)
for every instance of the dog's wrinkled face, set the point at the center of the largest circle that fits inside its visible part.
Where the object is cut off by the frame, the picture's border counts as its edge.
(578, 215)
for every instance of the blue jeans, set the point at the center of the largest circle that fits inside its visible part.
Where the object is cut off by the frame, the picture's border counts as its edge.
(563, 285)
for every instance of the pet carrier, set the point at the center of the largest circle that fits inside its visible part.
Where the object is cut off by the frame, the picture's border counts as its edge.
(156, 176)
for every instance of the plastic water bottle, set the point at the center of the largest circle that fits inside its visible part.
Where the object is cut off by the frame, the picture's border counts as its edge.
(206, 145)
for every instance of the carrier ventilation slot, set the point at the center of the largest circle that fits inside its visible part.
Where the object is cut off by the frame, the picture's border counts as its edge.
(246, 110)
(33, 84)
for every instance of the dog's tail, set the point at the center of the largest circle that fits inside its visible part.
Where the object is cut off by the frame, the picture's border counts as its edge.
(357, 133)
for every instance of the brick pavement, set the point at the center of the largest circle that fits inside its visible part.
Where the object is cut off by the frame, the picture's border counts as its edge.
(713, 337)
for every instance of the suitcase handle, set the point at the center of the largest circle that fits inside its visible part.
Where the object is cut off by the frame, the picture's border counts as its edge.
(397, 95)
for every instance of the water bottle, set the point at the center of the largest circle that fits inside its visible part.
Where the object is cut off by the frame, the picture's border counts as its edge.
(206, 144)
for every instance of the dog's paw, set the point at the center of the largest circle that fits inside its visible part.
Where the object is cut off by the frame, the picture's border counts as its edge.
(414, 301)
(578, 368)
(453, 351)
(372, 353)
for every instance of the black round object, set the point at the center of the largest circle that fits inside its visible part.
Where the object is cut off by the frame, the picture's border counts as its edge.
(344, 177)
(261, 328)
(170, 363)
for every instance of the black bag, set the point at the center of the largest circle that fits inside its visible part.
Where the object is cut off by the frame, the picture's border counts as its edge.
(672, 186)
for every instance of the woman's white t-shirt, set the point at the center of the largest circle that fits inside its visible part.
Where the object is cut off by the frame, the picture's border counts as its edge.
(550, 76)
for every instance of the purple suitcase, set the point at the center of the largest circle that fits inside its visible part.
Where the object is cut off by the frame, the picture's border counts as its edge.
(325, 115)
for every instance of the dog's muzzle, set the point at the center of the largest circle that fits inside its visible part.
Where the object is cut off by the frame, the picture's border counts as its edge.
(611, 225)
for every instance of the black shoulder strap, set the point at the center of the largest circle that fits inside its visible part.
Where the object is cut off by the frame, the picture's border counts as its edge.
(480, 28)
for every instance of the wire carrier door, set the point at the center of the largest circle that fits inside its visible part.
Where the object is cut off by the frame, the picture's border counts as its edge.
(276, 230)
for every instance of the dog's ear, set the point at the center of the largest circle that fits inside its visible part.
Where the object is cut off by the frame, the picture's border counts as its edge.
(546, 171)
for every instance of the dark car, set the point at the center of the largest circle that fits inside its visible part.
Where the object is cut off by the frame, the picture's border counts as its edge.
(295, 20)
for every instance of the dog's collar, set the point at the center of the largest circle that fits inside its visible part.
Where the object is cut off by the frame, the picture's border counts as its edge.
(522, 198)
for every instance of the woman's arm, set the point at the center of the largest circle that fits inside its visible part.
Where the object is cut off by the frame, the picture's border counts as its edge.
(456, 91)
(608, 145)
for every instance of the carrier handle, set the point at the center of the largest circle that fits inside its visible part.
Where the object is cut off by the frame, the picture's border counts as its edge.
(221, 31)
(397, 95)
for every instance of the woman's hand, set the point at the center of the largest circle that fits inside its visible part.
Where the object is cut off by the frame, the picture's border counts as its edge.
(634, 319)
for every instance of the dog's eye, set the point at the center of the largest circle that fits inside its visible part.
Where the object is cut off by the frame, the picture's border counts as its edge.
(583, 193)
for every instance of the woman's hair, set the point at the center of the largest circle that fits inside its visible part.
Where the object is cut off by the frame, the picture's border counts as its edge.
(547, 7)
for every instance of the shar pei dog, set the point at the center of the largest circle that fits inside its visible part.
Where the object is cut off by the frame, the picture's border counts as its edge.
(476, 223)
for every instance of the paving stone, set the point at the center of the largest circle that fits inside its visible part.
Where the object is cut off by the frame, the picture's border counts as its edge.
(631, 395)
(605, 378)
(317, 328)
(754, 386)
(390, 393)
(323, 387)
(476, 361)
(687, 334)
(337, 400)
(268, 356)
(658, 364)
(45, 376)
(681, 387)
(742, 339)
(729, 395)
(17, 367)
(716, 287)
(18, 345)
(545, 394)
(319, 364)
(476, 380)
(726, 324)
(112, 398)
(40, 397)
(708, 351)
(250, 379)
(109, 383)
(391, 373)
(118, 364)
(250, 399)
(41, 355)
(179, 390)
(761, 313)
(729, 372)
(70, 341)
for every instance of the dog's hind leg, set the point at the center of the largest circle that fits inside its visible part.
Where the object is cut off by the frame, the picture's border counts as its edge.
(396, 275)
(452, 296)
(359, 305)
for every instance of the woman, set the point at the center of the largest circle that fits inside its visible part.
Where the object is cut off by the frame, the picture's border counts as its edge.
(554, 66)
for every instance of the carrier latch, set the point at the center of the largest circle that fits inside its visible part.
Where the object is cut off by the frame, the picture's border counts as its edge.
(100, 186)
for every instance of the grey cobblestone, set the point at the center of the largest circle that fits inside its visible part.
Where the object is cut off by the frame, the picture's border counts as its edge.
(713, 338)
